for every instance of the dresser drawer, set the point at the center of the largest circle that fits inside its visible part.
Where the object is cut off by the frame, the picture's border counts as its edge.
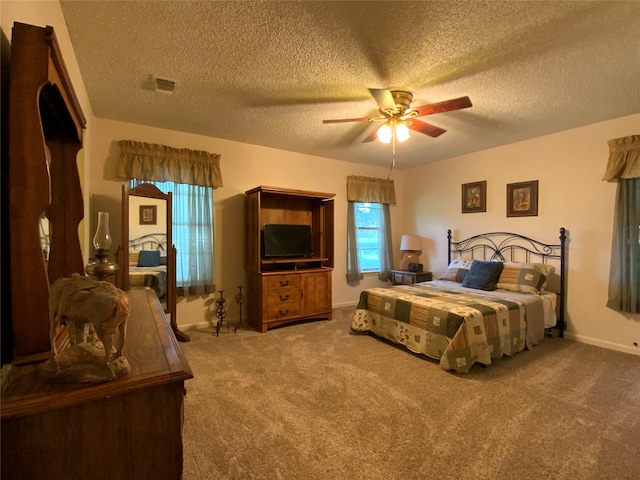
(283, 310)
(407, 279)
(277, 296)
(282, 281)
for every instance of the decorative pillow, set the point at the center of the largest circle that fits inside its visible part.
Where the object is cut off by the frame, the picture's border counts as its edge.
(149, 258)
(483, 275)
(520, 277)
(457, 270)
(545, 270)
(133, 259)
(163, 258)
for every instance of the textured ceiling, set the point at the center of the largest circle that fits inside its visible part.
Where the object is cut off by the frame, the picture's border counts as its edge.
(268, 73)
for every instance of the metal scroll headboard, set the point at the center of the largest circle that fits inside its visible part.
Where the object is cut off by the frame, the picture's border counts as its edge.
(513, 247)
(151, 241)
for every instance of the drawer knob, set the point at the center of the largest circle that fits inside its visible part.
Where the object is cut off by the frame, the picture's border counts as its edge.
(283, 312)
(284, 283)
(284, 298)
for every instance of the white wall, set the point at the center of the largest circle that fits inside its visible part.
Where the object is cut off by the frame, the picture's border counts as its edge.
(243, 167)
(569, 166)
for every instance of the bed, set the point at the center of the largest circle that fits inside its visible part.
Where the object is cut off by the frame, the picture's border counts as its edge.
(500, 294)
(148, 263)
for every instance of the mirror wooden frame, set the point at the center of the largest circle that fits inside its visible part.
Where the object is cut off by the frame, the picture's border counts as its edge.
(46, 127)
(149, 190)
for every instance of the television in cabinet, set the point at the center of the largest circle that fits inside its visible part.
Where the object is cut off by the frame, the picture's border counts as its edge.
(286, 288)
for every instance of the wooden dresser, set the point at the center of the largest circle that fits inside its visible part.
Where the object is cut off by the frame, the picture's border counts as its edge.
(130, 428)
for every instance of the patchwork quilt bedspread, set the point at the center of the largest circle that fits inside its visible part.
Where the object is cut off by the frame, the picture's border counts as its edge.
(152, 277)
(454, 326)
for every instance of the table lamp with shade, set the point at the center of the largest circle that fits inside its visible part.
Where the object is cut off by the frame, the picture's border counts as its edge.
(410, 246)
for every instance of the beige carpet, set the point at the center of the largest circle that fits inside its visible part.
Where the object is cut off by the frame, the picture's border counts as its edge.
(312, 401)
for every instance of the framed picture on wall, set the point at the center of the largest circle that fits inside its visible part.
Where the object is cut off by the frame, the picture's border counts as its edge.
(522, 199)
(148, 215)
(474, 197)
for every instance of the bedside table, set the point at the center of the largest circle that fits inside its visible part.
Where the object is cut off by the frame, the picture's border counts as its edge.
(403, 277)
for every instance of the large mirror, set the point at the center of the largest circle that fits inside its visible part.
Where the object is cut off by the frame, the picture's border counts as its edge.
(147, 256)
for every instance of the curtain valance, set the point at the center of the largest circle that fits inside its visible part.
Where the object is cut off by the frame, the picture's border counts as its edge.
(372, 190)
(159, 163)
(624, 158)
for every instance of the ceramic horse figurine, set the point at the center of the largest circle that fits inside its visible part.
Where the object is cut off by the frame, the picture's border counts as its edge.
(82, 300)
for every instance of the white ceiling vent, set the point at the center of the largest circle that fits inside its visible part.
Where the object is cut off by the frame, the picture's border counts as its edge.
(164, 85)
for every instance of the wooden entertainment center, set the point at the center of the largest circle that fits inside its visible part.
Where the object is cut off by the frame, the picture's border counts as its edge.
(283, 290)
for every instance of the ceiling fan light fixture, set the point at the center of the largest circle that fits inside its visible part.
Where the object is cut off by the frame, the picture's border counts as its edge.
(385, 133)
(402, 131)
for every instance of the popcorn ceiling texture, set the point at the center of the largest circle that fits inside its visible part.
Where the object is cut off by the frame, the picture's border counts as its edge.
(268, 73)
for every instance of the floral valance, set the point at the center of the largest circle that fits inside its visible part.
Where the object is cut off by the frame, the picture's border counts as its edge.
(373, 190)
(624, 158)
(159, 163)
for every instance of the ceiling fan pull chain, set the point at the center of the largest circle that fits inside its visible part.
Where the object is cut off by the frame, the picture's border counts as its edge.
(393, 151)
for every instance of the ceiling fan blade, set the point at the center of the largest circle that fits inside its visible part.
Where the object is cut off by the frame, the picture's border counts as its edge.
(384, 99)
(441, 107)
(345, 120)
(425, 128)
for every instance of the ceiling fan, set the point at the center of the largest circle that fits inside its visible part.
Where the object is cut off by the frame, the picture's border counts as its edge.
(399, 117)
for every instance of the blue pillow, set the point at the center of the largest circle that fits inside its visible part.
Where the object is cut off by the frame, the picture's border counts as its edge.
(149, 258)
(483, 275)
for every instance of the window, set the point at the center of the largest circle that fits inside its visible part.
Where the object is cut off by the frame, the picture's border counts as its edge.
(369, 227)
(624, 272)
(192, 215)
(623, 168)
(369, 223)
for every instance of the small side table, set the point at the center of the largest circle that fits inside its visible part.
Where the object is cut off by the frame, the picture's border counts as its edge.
(404, 277)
